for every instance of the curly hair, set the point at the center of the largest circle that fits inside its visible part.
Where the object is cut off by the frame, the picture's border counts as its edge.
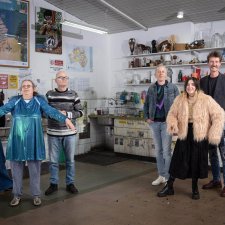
(214, 54)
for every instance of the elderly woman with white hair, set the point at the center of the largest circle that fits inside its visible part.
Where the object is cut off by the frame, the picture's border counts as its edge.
(26, 139)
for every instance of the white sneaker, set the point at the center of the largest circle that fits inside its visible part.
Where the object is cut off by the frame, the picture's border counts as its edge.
(37, 201)
(15, 201)
(159, 180)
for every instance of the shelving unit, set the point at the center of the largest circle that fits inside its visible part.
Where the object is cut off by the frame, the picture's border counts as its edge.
(171, 65)
(185, 58)
(172, 53)
(145, 84)
(175, 52)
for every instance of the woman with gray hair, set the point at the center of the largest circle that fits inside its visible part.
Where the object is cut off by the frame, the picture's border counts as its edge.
(26, 139)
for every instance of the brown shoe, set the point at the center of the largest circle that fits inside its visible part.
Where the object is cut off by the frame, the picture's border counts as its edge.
(222, 194)
(212, 184)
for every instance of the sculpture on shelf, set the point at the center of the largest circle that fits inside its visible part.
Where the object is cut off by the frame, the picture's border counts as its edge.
(165, 46)
(197, 44)
(144, 48)
(154, 49)
(132, 42)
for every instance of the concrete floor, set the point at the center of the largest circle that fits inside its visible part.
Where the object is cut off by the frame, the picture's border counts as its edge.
(118, 194)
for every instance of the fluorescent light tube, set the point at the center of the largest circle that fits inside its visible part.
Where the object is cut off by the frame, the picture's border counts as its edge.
(87, 27)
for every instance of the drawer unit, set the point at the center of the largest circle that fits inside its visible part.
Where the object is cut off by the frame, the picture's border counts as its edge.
(128, 132)
(120, 123)
(133, 137)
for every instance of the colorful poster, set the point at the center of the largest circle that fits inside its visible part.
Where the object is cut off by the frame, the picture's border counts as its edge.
(13, 82)
(55, 65)
(3, 81)
(14, 33)
(48, 31)
(79, 58)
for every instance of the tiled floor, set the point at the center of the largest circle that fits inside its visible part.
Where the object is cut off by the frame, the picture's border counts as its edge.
(118, 194)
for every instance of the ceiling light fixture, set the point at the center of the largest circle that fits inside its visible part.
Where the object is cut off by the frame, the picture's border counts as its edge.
(84, 26)
(180, 14)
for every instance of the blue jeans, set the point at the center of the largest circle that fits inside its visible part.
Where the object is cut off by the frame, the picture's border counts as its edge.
(162, 141)
(34, 168)
(55, 145)
(214, 160)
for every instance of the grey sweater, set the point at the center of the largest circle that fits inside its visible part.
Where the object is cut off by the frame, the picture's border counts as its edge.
(69, 102)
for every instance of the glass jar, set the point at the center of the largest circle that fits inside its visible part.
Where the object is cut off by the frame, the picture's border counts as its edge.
(216, 41)
(223, 39)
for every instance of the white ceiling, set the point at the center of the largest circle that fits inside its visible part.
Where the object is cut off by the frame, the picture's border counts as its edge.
(147, 12)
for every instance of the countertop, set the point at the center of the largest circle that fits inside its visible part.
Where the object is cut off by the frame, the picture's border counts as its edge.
(93, 116)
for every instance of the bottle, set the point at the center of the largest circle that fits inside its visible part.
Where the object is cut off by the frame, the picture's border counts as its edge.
(180, 75)
(150, 76)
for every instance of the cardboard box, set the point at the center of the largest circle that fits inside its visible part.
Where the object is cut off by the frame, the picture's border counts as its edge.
(180, 46)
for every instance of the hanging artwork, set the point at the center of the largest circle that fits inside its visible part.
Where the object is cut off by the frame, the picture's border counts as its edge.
(4, 81)
(8, 81)
(14, 33)
(48, 31)
(79, 58)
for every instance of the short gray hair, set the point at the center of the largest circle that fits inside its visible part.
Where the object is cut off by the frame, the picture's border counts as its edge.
(160, 66)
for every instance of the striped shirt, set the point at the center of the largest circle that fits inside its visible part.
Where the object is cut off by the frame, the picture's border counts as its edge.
(64, 101)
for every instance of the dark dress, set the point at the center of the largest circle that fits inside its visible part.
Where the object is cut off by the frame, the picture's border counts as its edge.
(190, 158)
(5, 180)
(2, 118)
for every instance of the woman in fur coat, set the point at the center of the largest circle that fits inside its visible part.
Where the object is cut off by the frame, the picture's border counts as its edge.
(197, 120)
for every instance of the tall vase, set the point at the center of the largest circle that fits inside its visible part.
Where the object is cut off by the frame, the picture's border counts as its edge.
(132, 42)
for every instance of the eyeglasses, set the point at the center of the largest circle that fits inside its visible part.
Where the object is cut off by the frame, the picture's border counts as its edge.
(63, 78)
(26, 86)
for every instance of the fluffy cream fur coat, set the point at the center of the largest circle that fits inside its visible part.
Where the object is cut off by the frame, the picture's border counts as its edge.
(208, 118)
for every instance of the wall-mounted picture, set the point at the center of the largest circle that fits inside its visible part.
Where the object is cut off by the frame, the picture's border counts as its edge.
(79, 58)
(14, 33)
(48, 31)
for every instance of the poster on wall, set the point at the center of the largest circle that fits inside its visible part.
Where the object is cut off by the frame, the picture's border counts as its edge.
(14, 33)
(13, 82)
(3, 81)
(55, 65)
(79, 58)
(79, 84)
(48, 31)
(8, 81)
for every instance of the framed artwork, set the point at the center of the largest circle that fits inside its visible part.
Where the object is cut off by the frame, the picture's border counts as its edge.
(48, 31)
(14, 33)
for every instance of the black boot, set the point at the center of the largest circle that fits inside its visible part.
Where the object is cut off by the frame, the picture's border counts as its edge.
(195, 192)
(168, 189)
(51, 189)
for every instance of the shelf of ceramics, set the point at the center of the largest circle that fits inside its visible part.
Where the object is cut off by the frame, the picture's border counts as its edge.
(177, 65)
(145, 84)
(175, 52)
